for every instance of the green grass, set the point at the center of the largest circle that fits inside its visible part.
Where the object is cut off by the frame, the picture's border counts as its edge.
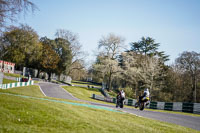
(36, 81)
(82, 92)
(20, 114)
(85, 84)
(112, 93)
(86, 93)
(32, 90)
(57, 82)
(12, 75)
(6, 81)
(174, 112)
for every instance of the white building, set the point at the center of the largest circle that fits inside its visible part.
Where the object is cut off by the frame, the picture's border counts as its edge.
(7, 67)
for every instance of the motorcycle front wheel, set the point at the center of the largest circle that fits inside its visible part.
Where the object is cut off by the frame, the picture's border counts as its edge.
(136, 104)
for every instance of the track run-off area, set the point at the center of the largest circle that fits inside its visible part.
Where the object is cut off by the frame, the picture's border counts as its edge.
(54, 90)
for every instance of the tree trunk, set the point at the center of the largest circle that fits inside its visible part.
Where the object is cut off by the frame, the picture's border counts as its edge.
(192, 93)
(194, 89)
(136, 90)
(49, 74)
(38, 74)
(109, 82)
(151, 87)
(59, 77)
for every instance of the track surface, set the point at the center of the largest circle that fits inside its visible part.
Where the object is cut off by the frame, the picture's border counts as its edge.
(54, 90)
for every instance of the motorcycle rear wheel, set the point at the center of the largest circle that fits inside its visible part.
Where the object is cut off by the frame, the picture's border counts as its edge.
(142, 106)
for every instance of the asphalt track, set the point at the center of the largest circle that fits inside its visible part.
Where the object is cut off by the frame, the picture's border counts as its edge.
(54, 90)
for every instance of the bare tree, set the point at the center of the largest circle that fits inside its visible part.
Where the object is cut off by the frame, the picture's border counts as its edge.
(189, 62)
(73, 40)
(108, 63)
(132, 73)
(111, 45)
(151, 71)
(9, 9)
(140, 68)
(108, 68)
(78, 55)
(78, 74)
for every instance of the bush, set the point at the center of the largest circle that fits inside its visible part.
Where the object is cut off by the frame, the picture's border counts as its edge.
(128, 91)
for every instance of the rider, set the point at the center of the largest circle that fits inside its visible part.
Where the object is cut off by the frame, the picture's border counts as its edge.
(120, 97)
(122, 93)
(145, 96)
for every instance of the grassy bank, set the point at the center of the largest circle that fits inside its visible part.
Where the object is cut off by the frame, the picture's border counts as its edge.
(20, 114)
(86, 93)
(85, 84)
(82, 92)
(6, 81)
(12, 75)
(32, 90)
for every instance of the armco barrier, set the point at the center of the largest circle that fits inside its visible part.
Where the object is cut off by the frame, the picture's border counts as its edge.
(196, 108)
(17, 84)
(160, 105)
(98, 97)
(114, 100)
(126, 101)
(153, 105)
(168, 106)
(110, 100)
(187, 107)
(93, 96)
(130, 102)
(175, 106)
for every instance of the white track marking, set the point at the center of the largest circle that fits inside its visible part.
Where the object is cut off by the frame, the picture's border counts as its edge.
(42, 91)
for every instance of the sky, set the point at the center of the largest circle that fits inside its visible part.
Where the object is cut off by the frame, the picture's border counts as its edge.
(175, 24)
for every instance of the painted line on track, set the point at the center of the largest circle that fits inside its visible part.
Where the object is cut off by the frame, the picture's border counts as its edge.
(71, 103)
(42, 91)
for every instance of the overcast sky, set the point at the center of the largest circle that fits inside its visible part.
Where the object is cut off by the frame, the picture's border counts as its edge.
(175, 24)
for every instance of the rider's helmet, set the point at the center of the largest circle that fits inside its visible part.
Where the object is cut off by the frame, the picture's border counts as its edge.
(146, 89)
(122, 93)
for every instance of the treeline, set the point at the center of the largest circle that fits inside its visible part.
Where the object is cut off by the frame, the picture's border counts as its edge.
(22, 45)
(136, 68)
(144, 66)
(61, 55)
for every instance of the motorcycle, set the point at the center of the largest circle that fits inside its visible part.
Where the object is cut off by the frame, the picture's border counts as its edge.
(120, 101)
(141, 103)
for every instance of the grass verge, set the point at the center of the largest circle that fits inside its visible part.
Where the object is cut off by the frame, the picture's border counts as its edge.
(6, 81)
(33, 115)
(12, 75)
(82, 92)
(32, 90)
(85, 84)
(174, 112)
(36, 81)
(86, 93)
